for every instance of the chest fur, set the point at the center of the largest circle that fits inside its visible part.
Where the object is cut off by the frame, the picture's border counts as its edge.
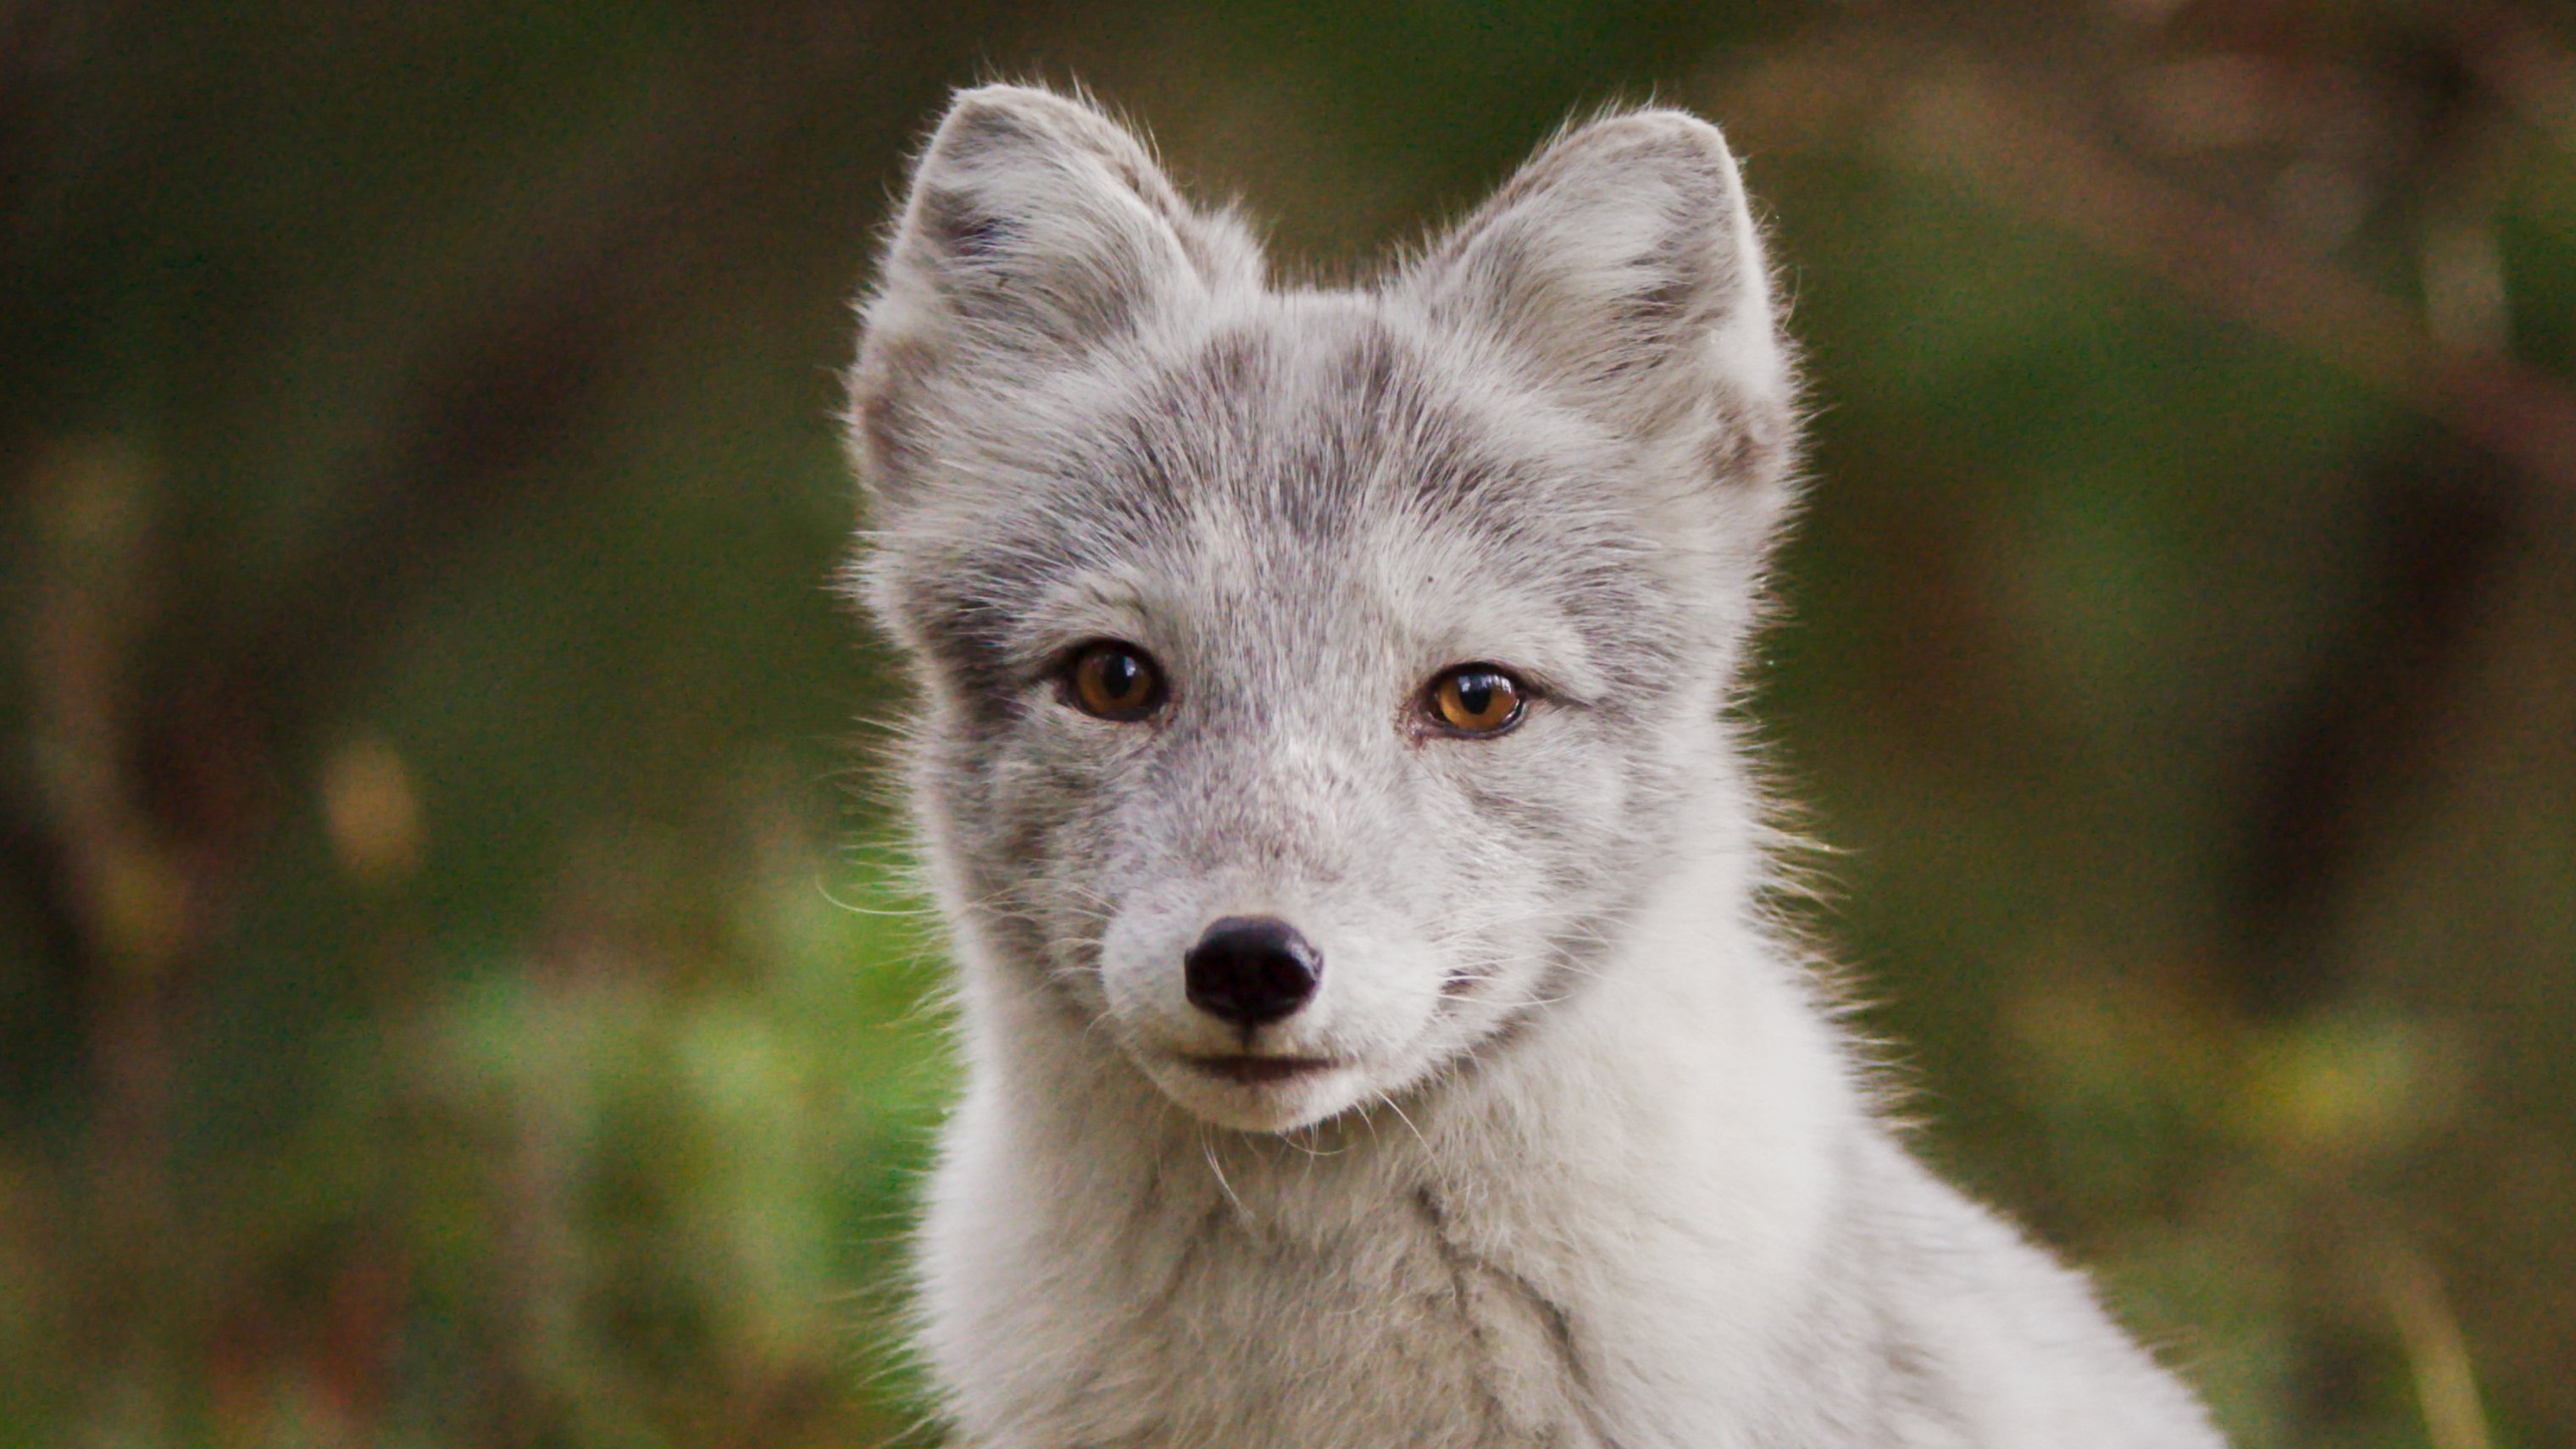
(1234, 1330)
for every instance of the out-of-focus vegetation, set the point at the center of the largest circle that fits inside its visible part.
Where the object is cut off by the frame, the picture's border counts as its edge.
(450, 989)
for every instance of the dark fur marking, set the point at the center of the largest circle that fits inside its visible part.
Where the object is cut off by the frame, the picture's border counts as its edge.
(963, 230)
(1560, 1328)
(893, 372)
(1459, 1263)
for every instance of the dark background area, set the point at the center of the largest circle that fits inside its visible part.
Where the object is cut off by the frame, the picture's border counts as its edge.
(456, 987)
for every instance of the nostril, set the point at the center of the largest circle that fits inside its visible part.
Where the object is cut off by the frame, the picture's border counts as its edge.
(1251, 970)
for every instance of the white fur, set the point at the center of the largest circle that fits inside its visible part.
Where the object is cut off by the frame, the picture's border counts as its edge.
(1594, 1164)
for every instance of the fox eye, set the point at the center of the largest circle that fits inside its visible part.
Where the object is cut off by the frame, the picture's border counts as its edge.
(1113, 681)
(1475, 701)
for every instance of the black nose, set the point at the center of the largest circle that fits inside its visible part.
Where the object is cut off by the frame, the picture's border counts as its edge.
(1251, 970)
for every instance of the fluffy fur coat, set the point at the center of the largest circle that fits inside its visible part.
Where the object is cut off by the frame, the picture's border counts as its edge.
(1561, 1146)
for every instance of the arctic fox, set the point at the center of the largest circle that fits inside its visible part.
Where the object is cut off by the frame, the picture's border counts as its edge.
(1374, 1033)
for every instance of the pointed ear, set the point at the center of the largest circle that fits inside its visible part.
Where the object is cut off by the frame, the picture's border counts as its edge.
(1035, 229)
(1623, 267)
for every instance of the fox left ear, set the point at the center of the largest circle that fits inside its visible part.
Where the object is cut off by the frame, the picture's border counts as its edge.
(1624, 268)
(1037, 229)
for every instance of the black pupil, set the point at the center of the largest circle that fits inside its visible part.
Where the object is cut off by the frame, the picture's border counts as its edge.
(1476, 692)
(1122, 675)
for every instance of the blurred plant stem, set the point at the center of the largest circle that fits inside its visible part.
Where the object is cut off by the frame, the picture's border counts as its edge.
(2035, 148)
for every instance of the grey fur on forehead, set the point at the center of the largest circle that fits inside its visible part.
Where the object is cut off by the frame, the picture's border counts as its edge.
(1061, 346)
(1332, 439)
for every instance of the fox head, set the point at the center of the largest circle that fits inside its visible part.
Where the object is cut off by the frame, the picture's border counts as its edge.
(1313, 683)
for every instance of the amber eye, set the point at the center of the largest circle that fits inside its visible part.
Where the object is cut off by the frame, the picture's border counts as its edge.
(1477, 699)
(1113, 681)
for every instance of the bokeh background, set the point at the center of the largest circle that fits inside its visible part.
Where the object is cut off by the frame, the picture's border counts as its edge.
(454, 987)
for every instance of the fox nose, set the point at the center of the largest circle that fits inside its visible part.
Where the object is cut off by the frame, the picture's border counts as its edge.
(1251, 970)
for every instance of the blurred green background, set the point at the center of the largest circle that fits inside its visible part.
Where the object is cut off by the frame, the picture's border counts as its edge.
(455, 983)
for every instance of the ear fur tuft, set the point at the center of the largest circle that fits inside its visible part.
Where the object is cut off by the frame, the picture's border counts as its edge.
(1035, 228)
(1623, 265)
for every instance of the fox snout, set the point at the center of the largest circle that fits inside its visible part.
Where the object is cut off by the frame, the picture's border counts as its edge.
(1251, 971)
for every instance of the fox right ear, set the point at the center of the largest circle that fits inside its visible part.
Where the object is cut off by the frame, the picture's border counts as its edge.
(1036, 228)
(1623, 264)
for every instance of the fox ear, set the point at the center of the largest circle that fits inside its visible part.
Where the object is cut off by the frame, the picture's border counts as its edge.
(1035, 229)
(1624, 267)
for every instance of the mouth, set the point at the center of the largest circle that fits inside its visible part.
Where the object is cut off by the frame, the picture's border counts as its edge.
(1262, 1071)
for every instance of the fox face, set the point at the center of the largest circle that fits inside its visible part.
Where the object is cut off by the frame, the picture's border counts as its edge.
(1311, 682)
